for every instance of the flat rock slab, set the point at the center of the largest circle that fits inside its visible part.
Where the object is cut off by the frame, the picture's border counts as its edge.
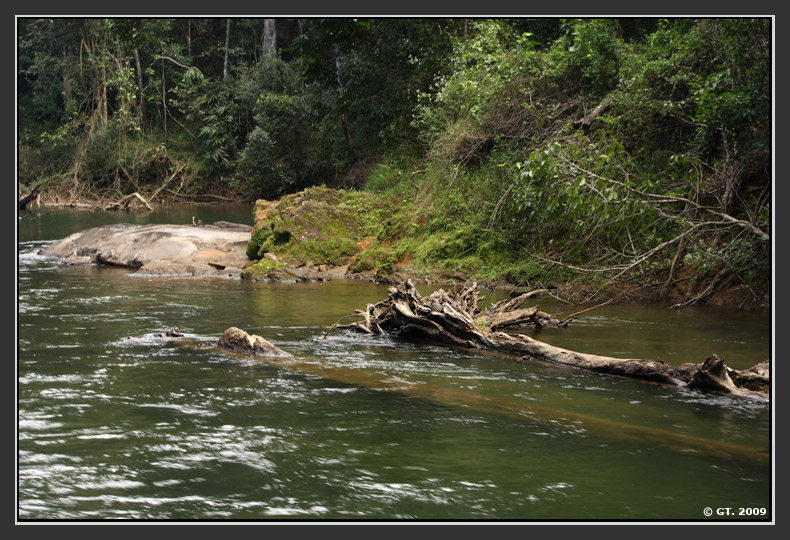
(160, 249)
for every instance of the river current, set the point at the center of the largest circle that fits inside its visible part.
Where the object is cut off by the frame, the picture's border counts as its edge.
(116, 420)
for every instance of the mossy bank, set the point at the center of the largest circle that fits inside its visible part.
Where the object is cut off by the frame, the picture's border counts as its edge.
(323, 233)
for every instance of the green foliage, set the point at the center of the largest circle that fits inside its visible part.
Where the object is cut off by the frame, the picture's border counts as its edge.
(377, 257)
(258, 238)
(742, 255)
(383, 177)
(587, 56)
(483, 109)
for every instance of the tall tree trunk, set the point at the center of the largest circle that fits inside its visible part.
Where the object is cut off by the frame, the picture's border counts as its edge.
(269, 37)
(227, 45)
(104, 52)
(189, 38)
(67, 90)
(164, 101)
(343, 119)
(140, 85)
(99, 81)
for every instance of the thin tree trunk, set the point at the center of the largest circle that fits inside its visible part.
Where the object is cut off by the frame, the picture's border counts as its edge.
(105, 116)
(343, 120)
(227, 45)
(164, 101)
(67, 92)
(140, 84)
(269, 37)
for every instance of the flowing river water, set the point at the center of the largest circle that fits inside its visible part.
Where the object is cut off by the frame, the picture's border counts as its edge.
(118, 421)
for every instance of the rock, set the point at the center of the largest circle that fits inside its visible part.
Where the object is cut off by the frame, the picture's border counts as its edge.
(231, 226)
(238, 340)
(158, 249)
(76, 260)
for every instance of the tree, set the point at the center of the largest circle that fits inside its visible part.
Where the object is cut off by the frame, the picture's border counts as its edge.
(269, 37)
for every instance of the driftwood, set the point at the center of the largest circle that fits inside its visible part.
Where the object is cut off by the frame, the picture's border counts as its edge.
(238, 342)
(455, 318)
(33, 197)
(123, 202)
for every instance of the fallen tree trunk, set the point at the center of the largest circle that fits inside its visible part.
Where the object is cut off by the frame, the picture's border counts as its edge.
(456, 319)
(123, 202)
(587, 121)
(33, 197)
(237, 341)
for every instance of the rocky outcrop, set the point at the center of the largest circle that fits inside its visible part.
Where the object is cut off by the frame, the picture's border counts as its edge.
(213, 250)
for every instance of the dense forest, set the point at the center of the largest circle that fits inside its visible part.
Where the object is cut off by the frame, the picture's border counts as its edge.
(611, 151)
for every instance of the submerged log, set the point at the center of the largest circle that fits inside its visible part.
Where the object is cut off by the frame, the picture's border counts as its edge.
(237, 341)
(455, 318)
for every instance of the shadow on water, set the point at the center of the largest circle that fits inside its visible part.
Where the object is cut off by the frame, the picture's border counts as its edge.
(456, 397)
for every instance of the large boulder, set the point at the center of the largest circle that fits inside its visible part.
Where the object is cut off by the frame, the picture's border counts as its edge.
(160, 249)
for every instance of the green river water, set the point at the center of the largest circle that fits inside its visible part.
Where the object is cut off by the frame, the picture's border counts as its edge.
(117, 422)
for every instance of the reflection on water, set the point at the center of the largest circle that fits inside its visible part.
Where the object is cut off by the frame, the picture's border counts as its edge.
(118, 421)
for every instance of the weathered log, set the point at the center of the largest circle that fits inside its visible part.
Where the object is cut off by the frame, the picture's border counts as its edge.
(239, 342)
(587, 121)
(124, 201)
(455, 318)
(714, 376)
(756, 378)
(33, 197)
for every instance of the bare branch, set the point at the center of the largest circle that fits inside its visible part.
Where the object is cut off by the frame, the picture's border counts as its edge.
(161, 57)
(671, 198)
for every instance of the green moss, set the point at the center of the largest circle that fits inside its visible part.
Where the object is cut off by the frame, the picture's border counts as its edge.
(377, 232)
(259, 236)
(264, 269)
(374, 258)
(335, 251)
(321, 225)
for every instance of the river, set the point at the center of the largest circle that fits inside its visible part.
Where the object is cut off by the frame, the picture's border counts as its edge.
(118, 421)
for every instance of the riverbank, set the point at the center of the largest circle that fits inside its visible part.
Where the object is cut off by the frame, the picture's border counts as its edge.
(392, 238)
(321, 234)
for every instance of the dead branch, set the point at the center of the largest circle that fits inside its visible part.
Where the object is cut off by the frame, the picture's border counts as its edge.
(657, 198)
(124, 202)
(570, 317)
(585, 122)
(167, 181)
(34, 197)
